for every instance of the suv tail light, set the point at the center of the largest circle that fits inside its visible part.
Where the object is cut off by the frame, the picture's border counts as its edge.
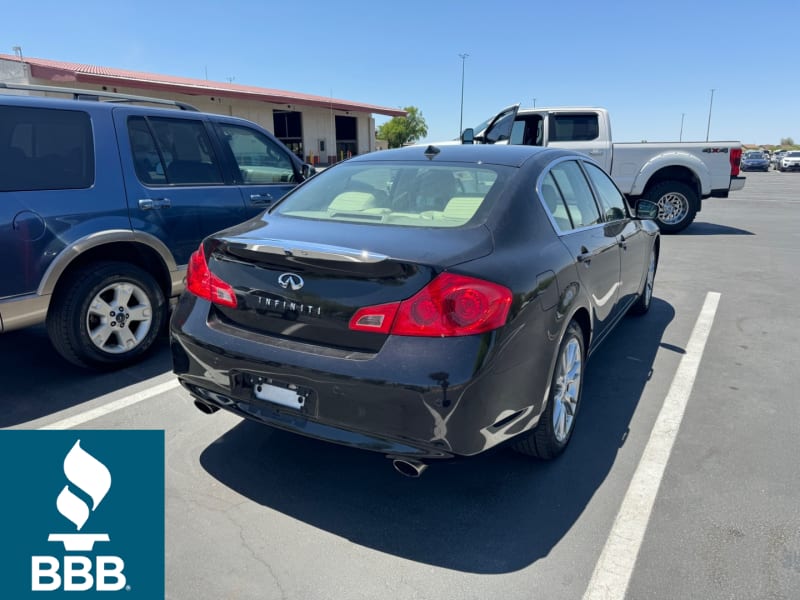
(203, 283)
(736, 159)
(450, 305)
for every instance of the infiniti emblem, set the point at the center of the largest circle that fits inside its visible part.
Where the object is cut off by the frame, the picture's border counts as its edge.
(291, 280)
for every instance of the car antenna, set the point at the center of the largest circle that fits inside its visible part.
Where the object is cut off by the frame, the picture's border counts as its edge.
(431, 151)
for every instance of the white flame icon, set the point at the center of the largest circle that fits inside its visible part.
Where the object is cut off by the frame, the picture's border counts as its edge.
(91, 476)
(88, 474)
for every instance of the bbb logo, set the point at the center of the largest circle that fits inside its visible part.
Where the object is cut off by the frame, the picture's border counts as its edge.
(93, 478)
(87, 514)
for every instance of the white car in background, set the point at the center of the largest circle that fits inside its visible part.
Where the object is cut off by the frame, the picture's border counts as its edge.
(790, 161)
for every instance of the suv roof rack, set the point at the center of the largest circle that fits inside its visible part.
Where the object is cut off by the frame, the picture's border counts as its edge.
(78, 94)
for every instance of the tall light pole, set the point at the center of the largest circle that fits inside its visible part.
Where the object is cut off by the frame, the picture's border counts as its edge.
(680, 139)
(710, 104)
(534, 103)
(461, 120)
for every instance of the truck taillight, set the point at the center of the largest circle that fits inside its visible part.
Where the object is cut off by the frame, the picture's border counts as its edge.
(736, 159)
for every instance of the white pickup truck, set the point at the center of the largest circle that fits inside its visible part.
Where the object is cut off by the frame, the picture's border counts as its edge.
(674, 175)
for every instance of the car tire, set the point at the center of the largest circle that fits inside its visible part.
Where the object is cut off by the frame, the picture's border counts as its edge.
(557, 421)
(645, 299)
(677, 205)
(86, 326)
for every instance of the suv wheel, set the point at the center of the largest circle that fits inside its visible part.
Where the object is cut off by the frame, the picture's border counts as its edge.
(107, 316)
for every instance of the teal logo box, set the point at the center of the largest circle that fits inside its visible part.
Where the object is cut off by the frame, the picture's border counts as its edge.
(84, 514)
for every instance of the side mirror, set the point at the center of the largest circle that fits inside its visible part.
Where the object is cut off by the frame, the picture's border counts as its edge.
(308, 171)
(646, 210)
(468, 137)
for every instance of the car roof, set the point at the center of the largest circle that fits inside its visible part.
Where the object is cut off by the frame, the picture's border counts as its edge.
(497, 154)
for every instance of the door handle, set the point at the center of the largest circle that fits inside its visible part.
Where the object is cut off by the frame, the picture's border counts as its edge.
(585, 256)
(265, 198)
(153, 203)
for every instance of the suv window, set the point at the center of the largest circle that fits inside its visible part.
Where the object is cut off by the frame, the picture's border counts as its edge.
(574, 128)
(45, 149)
(259, 159)
(173, 152)
(577, 194)
(611, 199)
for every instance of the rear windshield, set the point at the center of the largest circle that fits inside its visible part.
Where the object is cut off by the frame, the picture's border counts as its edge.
(409, 194)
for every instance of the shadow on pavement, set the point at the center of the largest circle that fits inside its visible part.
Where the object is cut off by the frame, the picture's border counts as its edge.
(36, 381)
(495, 513)
(701, 228)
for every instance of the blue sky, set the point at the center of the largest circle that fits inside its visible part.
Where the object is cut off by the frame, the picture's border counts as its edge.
(647, 61)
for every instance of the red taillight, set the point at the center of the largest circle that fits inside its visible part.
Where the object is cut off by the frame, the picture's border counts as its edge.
(736, 159)
(203, 283)
(450, 305)
(377, 319)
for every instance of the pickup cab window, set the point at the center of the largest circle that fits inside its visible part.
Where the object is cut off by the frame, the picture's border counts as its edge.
(574, 128)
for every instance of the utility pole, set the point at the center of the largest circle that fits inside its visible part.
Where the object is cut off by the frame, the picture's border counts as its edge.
(680, 139)
(710, 104)
(461, 119)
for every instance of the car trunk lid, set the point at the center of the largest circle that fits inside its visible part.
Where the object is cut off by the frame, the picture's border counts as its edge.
(303, 280)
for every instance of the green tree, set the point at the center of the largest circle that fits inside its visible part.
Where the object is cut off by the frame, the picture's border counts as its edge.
(787, 141)
(404, 130)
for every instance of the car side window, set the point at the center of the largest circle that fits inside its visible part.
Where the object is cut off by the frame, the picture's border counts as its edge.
(554, 203)
(183, 149)
(577, 194)
(259, 159)
(611, 199)
(147, 160)
(45, 149)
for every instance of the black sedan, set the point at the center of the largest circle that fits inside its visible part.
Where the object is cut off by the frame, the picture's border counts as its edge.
(425, 303)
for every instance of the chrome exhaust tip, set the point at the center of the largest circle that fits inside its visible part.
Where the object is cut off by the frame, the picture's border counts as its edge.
(409, 467)
(205, 407)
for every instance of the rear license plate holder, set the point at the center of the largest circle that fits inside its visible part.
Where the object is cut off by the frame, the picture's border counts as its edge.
(283, 396)
(277, 394)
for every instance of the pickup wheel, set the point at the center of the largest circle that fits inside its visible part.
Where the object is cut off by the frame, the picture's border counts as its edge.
(677, 205)
(107, 316)
(554, 430)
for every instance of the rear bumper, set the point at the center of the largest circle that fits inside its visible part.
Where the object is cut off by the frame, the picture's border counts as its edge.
(737, 183)
(423, 398)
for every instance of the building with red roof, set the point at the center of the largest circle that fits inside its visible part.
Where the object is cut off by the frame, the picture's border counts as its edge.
(320, 129)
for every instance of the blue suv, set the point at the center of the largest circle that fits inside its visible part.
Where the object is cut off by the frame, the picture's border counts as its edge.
(103, 202)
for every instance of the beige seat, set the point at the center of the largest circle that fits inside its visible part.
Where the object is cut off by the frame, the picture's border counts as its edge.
(352, 202)
(462, 208)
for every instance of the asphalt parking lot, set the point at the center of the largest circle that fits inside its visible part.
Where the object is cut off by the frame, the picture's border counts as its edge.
(257, 513)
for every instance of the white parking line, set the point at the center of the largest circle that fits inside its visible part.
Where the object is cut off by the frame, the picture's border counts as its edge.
(101, 411)
(614, 568)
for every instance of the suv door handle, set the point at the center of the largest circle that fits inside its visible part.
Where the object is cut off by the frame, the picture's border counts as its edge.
(153, 203)
(265, 198)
